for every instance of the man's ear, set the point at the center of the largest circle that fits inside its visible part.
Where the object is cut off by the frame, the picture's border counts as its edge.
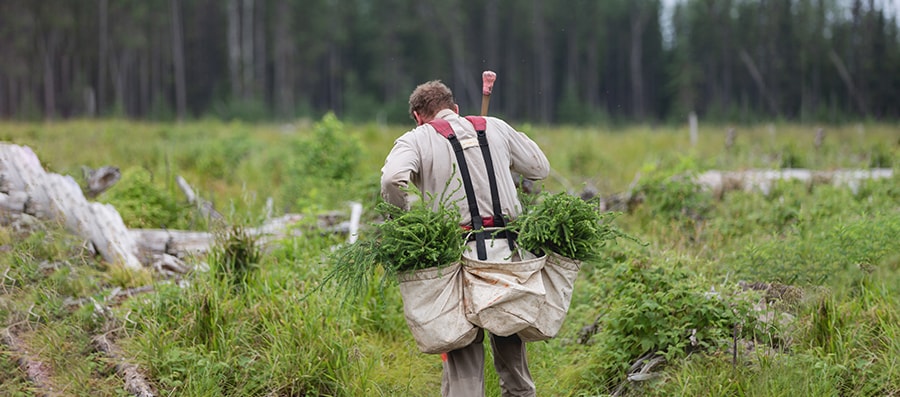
(417, 117)
(456, 108)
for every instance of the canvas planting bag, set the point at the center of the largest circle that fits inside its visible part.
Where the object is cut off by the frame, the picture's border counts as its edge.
(558, 274)
(434, 309)
(504, 293)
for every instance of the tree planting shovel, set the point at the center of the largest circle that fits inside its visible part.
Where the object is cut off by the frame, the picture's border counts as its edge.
(487, 85)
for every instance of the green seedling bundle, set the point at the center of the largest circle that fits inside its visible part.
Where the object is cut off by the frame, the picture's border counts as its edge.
(429, 235)
(566, 225)
(422, 237)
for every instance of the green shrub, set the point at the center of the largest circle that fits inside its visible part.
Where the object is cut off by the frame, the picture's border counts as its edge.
(235, 256)
(322, 168)
(219, 158)
(649, 309)
(672, 194)
(791, 157)
(880, 157)
(142, 204)
(820, 249)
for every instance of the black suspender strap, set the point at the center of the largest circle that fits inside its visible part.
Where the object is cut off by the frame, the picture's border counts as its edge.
(443, 128)
(480, 125)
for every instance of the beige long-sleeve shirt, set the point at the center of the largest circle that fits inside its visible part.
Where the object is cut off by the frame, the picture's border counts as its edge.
(425, 158)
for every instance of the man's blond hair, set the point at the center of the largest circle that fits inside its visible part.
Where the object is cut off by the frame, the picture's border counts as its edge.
(430, 98)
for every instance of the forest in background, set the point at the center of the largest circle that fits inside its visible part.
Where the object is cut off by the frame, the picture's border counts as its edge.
(575, 61)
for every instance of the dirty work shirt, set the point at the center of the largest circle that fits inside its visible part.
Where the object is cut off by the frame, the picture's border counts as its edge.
(425, 158)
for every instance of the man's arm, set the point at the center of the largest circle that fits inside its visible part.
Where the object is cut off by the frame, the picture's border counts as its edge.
(525, 156)
(399, 165)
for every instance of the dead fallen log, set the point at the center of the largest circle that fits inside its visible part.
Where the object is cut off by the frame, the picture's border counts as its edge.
(59, 198)
(135, 382)
(117, 295)
(25, 188)
(101, 179)
(721, 182)
(206, 208)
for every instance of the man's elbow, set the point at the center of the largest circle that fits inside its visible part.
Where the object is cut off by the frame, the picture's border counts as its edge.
(537, 171)
(393, 190)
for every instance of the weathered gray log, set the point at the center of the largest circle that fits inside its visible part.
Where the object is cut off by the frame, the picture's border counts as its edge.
(135, 382)
(182, 244)
(14, 201)
(101, 179)
(25, 188)
(206, 208)
(720, 182)
(59, 198)
(178, 243)
(114, 296)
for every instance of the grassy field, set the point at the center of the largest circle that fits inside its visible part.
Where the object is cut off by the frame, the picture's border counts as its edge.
(791, 293)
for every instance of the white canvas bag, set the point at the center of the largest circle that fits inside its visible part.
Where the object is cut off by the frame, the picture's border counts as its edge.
(434, 309)
(504, 293)
(558, 274)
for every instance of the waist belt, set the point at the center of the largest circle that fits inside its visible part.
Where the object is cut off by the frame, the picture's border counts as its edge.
(509, 235)
(487, 222)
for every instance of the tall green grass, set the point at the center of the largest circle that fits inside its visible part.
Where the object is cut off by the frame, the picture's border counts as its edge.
(249, 326)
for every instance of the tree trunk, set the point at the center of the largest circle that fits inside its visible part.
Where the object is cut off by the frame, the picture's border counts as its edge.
(145, 104)
(592, 78)
(638, 22)
(758, 79)
(848, 81)
(335, 88)
(247, 49)
(234, 48)
(543, 59)
(284, 60)
(491, 34)
(102, 56)
(48, 54)
(120, 66)
(4, 112)
(178, 61)
(572, 65)
(468, 88)
(259, 52)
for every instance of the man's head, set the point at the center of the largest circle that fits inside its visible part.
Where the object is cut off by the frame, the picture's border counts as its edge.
(428, 99)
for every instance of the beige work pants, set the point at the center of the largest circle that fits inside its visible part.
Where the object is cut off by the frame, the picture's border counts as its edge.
(464, 368)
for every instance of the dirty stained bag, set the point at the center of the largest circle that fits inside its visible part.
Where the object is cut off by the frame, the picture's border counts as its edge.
(558, 274)
(504, 293)
(434, 309)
